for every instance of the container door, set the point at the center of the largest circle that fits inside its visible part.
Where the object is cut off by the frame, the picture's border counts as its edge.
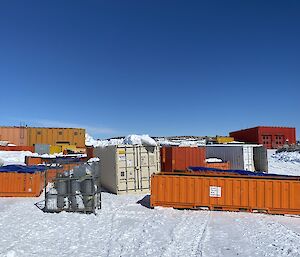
(148, 165)
(127, 174)
(260, 158)
(248, 158)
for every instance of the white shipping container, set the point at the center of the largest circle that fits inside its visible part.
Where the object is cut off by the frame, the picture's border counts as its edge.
(241, 157)
(127, 168)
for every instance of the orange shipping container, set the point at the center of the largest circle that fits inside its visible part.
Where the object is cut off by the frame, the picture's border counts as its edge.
(33, 160)
(180, 158)
(14, 184)
(218, 165)
(274, 195)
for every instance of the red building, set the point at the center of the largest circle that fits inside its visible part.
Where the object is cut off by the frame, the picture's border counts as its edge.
(270, 137)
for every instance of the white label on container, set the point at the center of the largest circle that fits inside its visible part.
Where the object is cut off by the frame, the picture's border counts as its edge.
(215, 191)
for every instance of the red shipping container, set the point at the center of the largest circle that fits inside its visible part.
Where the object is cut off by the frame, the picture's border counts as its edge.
(180, 158)
(218, 165)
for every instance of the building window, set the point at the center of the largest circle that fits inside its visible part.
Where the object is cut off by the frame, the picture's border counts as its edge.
(60, 133)
(39, 132)
(75, 133)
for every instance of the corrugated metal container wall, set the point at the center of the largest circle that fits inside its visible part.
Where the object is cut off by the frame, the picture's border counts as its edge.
(55, 136)
(21, 184)
(127, 169)
(226, 193)
(218, 165)
(180, 158)
(15, 135)
(163, 158)
(239, 156)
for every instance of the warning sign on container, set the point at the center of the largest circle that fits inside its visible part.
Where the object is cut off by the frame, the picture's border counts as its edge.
(215, 191)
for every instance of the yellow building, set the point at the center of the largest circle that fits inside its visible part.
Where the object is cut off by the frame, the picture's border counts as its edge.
(30, 136)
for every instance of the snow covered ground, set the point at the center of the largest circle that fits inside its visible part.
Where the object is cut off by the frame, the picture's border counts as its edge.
(284, 163)
(124, 227)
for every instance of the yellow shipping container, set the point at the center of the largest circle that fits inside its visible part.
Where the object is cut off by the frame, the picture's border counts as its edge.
(56, 136)
(55, 149)
(223, 140)
(68, 147)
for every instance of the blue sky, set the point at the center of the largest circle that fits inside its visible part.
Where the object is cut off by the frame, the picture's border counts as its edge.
(155, 67)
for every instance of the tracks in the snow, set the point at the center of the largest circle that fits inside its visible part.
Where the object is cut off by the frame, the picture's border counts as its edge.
(188, 235)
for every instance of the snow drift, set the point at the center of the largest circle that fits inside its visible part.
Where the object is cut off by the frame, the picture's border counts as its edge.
(129, 140)
(15, 157)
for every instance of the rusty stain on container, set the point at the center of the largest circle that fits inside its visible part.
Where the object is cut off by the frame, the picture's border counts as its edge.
(14, 184)
(275, 195)
(180, 158)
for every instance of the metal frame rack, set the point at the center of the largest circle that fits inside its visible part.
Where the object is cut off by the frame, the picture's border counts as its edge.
(72, 192)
